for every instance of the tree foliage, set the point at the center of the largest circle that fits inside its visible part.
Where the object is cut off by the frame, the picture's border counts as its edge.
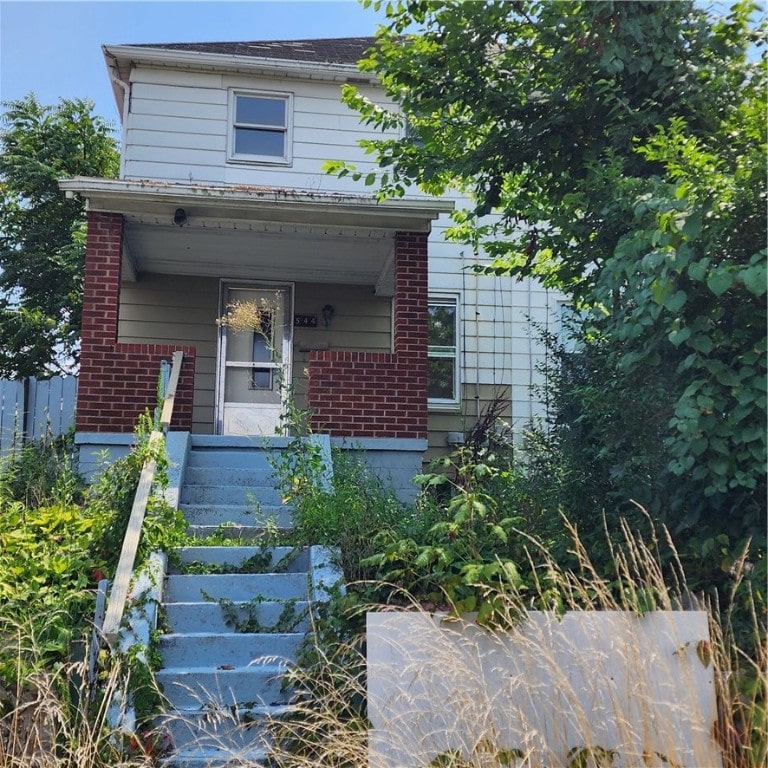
(42, 233)
(621, 150)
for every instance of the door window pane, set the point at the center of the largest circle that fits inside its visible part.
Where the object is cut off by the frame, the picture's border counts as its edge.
(263, 352)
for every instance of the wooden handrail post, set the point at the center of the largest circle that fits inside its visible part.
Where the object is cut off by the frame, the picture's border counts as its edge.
(170, 394)
(119, 593)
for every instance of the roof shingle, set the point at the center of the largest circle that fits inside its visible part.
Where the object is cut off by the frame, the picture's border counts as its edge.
(338, 50)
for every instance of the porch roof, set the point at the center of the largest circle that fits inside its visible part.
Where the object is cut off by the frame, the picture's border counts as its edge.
(239, 230)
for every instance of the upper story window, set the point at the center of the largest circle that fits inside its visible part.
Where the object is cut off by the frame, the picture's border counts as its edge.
(260, 127)
(443, 350)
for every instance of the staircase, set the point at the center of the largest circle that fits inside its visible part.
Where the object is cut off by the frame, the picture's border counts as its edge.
(234, 616)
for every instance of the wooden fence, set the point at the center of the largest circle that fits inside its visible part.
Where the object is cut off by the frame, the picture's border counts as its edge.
(33, 408)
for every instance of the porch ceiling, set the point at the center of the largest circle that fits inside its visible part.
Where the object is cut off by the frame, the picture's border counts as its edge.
(257, 232)
(248, 249)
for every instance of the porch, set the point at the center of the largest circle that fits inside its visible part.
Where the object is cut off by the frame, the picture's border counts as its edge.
(165, 261)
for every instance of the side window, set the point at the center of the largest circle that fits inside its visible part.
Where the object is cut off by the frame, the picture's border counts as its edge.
(568, 320)
(443, 350)
(260, 126)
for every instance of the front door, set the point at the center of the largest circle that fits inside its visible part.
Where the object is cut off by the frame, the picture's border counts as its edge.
(254, 369)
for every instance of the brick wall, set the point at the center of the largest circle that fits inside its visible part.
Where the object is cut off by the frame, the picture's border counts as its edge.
(118, 381)
(375, 394)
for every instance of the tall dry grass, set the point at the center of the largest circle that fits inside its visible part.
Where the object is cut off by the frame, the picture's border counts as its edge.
(50, 718)
(472, 729)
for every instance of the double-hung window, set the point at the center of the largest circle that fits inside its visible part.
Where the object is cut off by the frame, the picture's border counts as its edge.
(260, 127)
(443, 350)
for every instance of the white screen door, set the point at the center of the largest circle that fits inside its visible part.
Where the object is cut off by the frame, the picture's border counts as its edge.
(254, 369)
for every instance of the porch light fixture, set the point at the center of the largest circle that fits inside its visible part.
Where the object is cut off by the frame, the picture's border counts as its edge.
(180, 217)
(328, 312)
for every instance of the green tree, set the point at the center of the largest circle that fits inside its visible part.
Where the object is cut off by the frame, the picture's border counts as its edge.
(42, 233)
(621, 150)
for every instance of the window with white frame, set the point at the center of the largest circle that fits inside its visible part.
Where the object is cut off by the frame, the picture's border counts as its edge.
(568, 322)
(443, 350)
(260, 127)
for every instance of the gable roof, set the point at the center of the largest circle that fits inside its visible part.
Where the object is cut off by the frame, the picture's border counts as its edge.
(336, 50)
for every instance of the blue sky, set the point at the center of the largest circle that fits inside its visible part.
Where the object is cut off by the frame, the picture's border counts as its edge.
(53, 48)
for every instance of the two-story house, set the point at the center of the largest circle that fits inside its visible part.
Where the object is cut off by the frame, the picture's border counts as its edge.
(378, 322)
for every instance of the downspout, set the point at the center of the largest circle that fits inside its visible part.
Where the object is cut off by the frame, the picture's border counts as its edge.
(126, 106)
(478, 408)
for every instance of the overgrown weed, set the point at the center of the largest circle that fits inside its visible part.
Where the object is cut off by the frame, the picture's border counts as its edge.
(50, 717)
(329, 725)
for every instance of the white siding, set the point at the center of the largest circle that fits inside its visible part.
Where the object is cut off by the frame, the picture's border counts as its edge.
(170, 108)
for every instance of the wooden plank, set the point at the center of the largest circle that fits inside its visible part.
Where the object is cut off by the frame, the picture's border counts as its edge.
(176, 155)
(138, 168)
(182, 109)
(189, 94)
(119, 592)
(167, 414)
(98, 623)
(55, 401)
(11, 414)
(179, 140)
(169, 77)
(121, 584)
(69, 403)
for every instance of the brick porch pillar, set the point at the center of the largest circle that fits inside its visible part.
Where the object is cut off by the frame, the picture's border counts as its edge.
(379, 394)
(117, 382)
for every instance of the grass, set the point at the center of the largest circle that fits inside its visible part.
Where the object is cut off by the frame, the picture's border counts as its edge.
(49, 719)
(471, 726)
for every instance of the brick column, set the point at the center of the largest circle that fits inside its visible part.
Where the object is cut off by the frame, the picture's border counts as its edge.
(118, 381)
(410, 325)
(378, 394)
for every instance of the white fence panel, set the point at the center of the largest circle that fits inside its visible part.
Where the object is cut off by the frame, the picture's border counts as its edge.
(51, 406)
(35, 408)
(11, 414)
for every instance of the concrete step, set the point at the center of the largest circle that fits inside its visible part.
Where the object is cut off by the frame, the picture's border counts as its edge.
(280, 516)
(209, 617)
(222, 475)
(242, 559)
(211, 757)
(239, 532)
(221, 683)
(200, 650)
(256, 685)
(253, 497)
(228, 730)
(231, 458)
(231, 731)
(235, 587)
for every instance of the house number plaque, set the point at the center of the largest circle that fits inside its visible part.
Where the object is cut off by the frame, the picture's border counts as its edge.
(305, 321)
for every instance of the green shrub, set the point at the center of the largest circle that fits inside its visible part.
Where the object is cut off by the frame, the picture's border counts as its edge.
(43, 472)
(349, 514)
(112, 495)
(53, 551)
(49, 564)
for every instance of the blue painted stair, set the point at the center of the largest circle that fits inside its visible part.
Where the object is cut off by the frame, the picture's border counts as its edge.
(234, 616)
(229, 487)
